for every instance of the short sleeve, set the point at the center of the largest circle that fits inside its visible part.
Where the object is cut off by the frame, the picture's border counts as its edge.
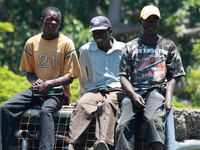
(174, 63)
(125, 62)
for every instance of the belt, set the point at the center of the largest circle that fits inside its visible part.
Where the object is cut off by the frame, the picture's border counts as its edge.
(105, 87)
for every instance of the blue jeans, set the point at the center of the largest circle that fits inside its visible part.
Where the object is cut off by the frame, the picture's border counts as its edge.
(12, 109)
(131, 118)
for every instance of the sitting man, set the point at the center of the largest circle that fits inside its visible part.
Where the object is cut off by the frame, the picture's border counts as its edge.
(148, 68)
(100, 88)
(49, 60)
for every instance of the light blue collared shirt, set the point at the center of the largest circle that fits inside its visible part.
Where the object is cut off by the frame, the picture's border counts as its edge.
(99, 69)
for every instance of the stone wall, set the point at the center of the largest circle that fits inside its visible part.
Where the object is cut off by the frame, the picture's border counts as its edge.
(187, 123)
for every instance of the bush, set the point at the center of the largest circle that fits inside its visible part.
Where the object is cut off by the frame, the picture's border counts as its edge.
(178, 104)
(74, 90)
(11, 84)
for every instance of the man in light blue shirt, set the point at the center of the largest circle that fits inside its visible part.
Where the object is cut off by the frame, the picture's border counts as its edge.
(99, 68)
(100, 88)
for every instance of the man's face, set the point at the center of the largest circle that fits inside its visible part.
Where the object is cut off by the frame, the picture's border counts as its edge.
(150, 25)
(101, 37)
(51, 22)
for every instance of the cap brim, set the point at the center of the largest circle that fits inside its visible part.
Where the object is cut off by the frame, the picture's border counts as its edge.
(146, 16)
(98, 28)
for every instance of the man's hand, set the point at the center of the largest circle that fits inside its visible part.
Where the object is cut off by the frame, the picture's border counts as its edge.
(171, 82)
(168, 108)
(138, 101)
(37, 82)
(44, 87)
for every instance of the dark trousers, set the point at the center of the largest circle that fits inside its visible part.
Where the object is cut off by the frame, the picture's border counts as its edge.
(131, 118)
(11, 110)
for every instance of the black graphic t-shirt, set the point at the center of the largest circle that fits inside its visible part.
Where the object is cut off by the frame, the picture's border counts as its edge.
(149, 65)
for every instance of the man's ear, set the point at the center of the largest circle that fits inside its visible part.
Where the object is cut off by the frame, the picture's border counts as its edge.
(140, 20)
(110, 31)
(41, 20)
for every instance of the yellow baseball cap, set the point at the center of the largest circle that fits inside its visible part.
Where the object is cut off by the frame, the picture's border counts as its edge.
(148, 11)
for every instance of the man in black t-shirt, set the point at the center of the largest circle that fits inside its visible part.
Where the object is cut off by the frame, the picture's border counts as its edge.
(148, 68)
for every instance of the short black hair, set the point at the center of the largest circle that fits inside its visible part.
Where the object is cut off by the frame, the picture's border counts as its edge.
(50, 8)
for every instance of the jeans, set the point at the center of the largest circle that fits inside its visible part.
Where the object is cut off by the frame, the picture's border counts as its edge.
(131, 118)
(11, 110)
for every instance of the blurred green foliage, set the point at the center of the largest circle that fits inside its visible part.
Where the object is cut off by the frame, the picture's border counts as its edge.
(193, 87)
(74, 90)
(181, 105)
(76, 31)
(4, 27)
(11, 84)
(176, 103)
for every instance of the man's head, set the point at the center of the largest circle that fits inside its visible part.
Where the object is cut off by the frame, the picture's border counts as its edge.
(148, 11)
(99, 23)
(150, 19)
(51, 8)
(101, 30)
(51, 21)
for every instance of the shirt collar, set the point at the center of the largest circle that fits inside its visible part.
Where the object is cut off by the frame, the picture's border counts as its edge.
(94, 47)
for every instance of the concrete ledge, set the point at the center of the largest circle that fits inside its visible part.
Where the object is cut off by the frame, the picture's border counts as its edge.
(187, 123)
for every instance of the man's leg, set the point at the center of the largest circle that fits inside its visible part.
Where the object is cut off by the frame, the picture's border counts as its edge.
(47, 132)
(129, 123)
(154, 118)
(106, 117)
(10, 113)
(156, 146)
(82, 115)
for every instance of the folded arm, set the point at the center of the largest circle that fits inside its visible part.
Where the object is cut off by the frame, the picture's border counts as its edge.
(45, 86)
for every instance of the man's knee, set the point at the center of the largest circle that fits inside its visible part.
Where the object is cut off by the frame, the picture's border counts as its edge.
(156, 146)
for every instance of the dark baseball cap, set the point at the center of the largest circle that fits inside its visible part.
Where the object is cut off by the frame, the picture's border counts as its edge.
(99, 23)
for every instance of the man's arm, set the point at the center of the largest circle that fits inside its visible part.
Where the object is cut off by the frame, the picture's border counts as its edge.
(45, 86)
(31, 77)
(169, 93)
(128, 88)
(84, 72)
